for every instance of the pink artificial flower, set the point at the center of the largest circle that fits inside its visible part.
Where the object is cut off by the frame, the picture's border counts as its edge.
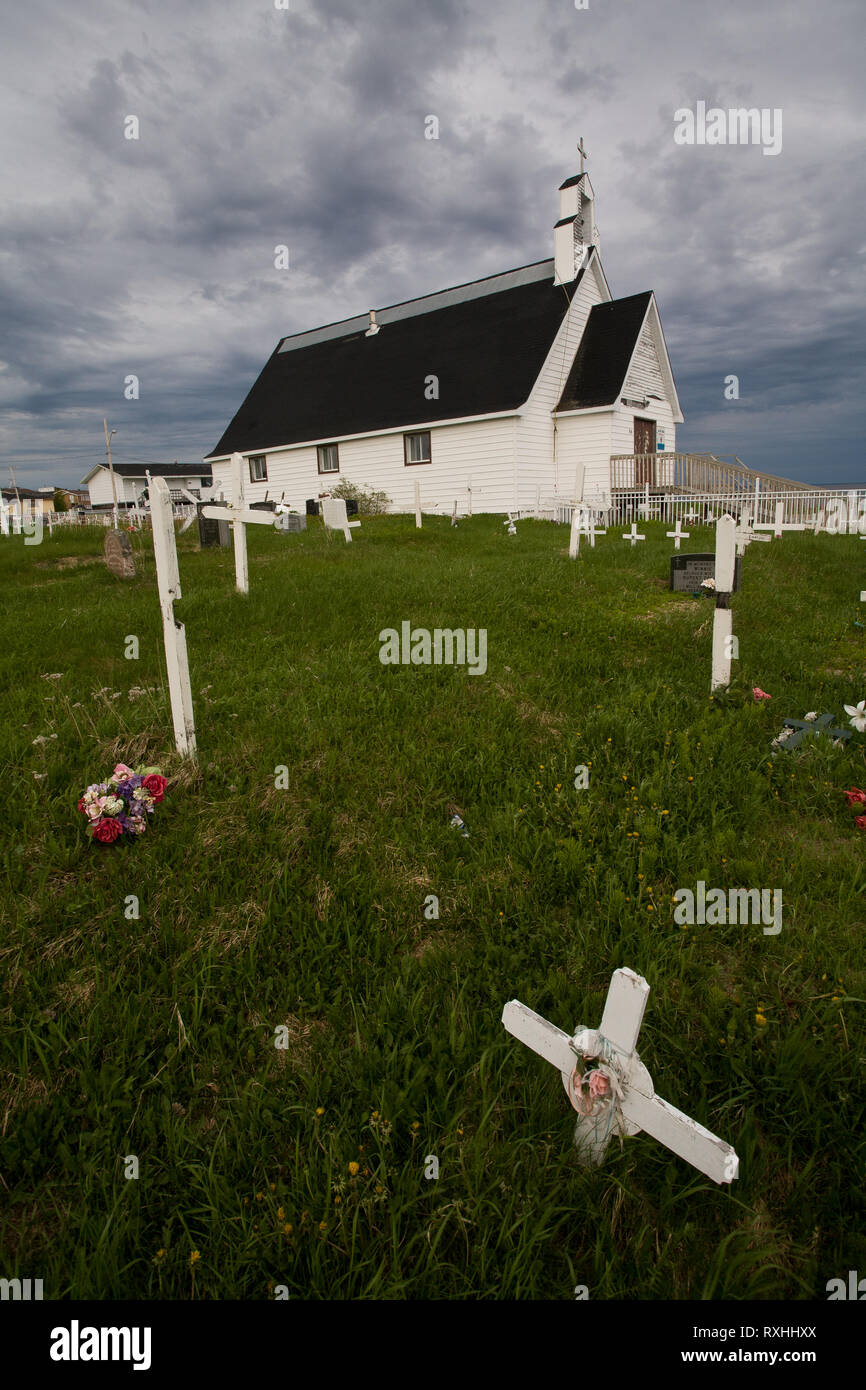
(854, 796)
(759, 694)
(121, 772)
(860, 822)
(598, 1084)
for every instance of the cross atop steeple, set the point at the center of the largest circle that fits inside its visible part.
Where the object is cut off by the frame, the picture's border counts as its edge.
(582, 152)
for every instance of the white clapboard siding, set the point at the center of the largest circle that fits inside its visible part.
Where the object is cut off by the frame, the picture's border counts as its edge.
(645, 378)
(538, 466)
(100, 488)
(584, 438)
(645, 373)
(622, 433)
(479, 453)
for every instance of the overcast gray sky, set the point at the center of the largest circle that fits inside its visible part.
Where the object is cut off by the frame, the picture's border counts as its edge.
(305, 127)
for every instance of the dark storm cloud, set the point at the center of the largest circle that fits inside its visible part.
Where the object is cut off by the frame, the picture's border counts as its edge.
(306, 128)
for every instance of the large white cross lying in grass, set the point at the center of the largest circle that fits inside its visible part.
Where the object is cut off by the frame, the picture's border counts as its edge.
(636, 1107)
(239, 517)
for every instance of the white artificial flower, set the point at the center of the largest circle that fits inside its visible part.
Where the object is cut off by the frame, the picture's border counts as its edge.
(813, 714)
(858, 715)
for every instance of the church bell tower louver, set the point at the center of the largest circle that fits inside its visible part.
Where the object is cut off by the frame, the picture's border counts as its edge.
(576, 231)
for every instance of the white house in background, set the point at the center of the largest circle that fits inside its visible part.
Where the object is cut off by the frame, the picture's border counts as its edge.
(502, 386)
(131, 481)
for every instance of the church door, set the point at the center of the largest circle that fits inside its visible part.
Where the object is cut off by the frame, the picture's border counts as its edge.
(644, 443)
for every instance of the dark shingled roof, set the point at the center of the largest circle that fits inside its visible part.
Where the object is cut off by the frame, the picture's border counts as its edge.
(598, 372)
(162, 470)
(487, 352)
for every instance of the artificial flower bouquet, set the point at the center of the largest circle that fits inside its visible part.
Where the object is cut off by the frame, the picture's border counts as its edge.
(590, 1086)
(121, 805)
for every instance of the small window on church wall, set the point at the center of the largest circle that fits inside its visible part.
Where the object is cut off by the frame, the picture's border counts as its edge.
(417, 447)
(329, 458)
(258, 469)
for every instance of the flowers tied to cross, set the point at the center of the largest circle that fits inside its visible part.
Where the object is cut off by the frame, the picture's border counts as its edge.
(593, 1085)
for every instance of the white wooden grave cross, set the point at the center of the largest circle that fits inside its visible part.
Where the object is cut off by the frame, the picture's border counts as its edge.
(239, 517)
(632, 535)
(335, 517)
(5, 513)
(454, 515)
(723, 623)
(631, 1104)
(745, 535)
(417, 505)
(577, 510)
(778, 525)
(512, 529)
(174, 634)
(192, 516)
(678, 535)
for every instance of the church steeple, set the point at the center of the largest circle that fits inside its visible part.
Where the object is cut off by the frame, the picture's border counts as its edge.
(575, 231)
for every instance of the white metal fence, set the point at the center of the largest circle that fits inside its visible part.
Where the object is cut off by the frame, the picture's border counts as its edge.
(838, 510)
(14, 519)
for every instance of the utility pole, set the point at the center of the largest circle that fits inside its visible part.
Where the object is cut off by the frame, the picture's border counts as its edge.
(110, 468)
(17, 496)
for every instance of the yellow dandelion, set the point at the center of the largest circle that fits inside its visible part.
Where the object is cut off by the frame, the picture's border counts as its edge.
(323, 1226)
(194, 1258)
(416, 1124)
(760, 1020)
(288, 1229)
(320, 1110)
(353, 1168)
(281, 1215)
(160, 1254)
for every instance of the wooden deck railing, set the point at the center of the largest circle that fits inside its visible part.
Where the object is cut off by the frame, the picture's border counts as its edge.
(692, 473)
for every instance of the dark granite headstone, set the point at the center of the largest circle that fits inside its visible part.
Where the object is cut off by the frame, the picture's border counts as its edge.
(211, 531)
(118, 555)
(689, 571)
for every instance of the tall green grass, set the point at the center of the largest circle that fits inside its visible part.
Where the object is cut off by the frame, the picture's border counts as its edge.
(305, 907)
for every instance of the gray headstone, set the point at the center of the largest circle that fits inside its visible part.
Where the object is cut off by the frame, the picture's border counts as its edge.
(211, 531)
(689, 571)
(118, 555)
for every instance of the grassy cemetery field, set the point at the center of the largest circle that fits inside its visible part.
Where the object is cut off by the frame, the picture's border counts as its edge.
(297, 1025)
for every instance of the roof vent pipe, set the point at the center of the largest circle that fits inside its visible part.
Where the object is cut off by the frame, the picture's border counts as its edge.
(374, 327)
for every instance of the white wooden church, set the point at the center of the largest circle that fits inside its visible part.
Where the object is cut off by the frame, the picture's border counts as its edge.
(494, 390)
